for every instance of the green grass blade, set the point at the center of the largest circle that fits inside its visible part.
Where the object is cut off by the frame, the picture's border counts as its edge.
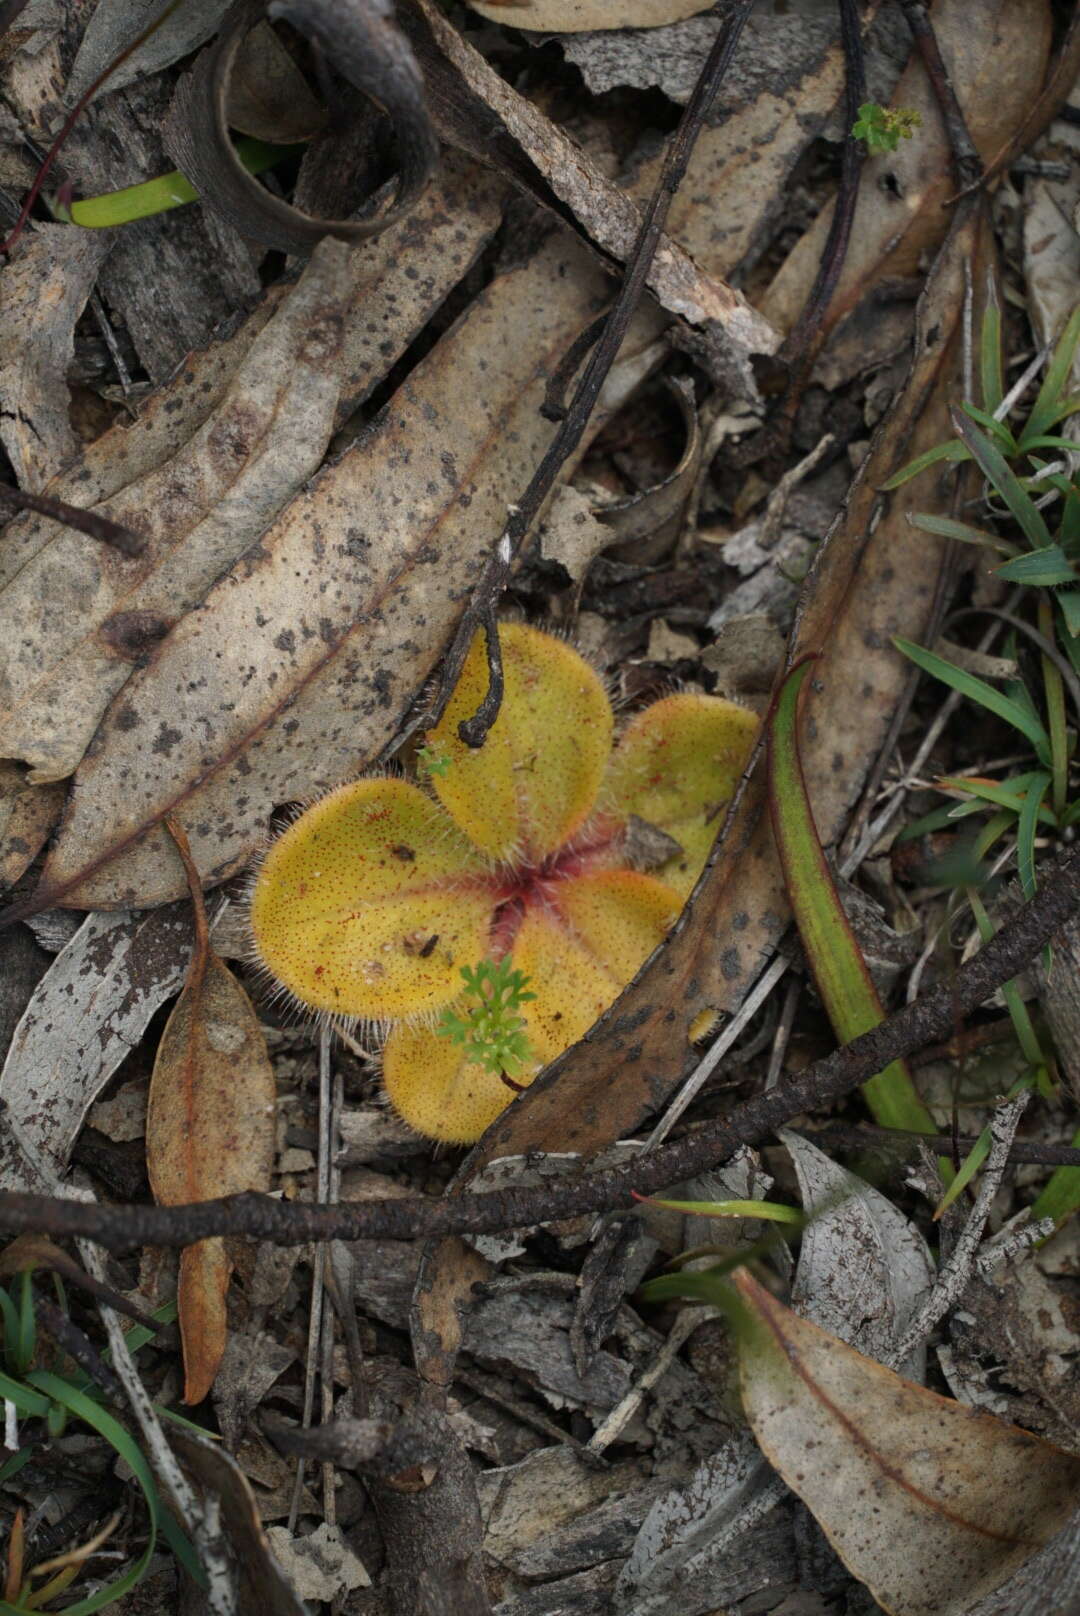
(843, 980)
(1039, 569)
(948, 528)
(966, 1171)
(107, 1426)
(979, 691)
(1026, 1035)
(769, 1211)
(950, 453)
(1060, 1195)
(991, 375)
(1057, 373)
(1068, 603)
(26, 1401)
(996, 469)
(998, 431)
(1025, 833)
(1011, 794)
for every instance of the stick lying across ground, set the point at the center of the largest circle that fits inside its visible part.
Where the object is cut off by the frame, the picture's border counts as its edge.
(932, 1016)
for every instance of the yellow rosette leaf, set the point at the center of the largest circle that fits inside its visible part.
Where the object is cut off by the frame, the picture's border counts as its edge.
(370, 903)
(535, 780)
(677, 766)
(438, 1090)
(580, 950)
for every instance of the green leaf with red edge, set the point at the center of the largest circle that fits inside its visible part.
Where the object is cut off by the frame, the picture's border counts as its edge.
(843, 980)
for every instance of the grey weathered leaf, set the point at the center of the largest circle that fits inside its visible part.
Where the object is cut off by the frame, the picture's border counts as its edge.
(86, 1015)
(43, 291)
(113, 26)
(706, 1544)
(76, 616)
(863, 1269)
(303, 660)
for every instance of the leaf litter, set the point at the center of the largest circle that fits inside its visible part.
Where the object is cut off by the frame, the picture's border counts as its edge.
(318, 513)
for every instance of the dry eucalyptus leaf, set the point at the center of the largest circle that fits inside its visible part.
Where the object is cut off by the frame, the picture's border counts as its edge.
(76, 616)
(210, 1131)
(43, 291)
(116, 24)
(27, 815)
(575, 16)
(478, 111)
(863, 1268)
(367, 48)
(931, 1504)
(269, 97)
(87, 1014)
(310, 651)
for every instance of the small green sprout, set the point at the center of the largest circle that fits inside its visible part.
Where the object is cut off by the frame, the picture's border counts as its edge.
(883, 128)
(491, 1031)
(431, 762)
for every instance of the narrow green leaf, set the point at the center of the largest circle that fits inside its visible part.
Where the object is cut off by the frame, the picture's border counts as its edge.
(25, 1400)
(166, 192)
(768, 1211)
(1039, 569)
(1025, 833)
(998, 431)
(843, 980)
(999, 473)
(1060, 1195)
(948, 452)
(1068, 602)
(107, 1426)
(966, 1171)
(1057, 372)
(948, 528)
(990, 369)
(978, 690)
(1011, 794)
(1026, 1035)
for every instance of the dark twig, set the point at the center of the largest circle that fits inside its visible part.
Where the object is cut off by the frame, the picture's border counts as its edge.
(801, 341)
(482, 608)
(864, 1135)
(969, 164)
(121, 538)
(474, 730)
(932, 1016)
(79, 1347)
(554, 406)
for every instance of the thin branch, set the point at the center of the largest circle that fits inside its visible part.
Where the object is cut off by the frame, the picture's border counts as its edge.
(121, 538)
(932, 1016)
(493, 580)
(865, 1135)
(969, 166)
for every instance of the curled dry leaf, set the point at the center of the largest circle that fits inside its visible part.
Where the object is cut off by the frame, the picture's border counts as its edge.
(209, 1130)
(575, 16)
(43, 291)
(75, 617)
(365, 46)
(310, 651)
(476, 110)
(931, 1504)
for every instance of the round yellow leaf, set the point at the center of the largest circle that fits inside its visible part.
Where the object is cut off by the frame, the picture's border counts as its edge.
(440, 1092)
(677, 766)
(535, 780)
(370, 903)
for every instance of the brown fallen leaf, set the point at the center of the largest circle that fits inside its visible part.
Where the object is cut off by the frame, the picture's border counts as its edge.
(575, 16)
(209, 1129)
(27, 815)
(478, 111)
(929, 1503)
(43, 291)
(304, 659)
(75, 617)
(997, 70)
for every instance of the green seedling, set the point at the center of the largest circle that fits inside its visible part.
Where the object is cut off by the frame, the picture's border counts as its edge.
(490, 1029)
(378, 902)
(883, 128)
(165, 192)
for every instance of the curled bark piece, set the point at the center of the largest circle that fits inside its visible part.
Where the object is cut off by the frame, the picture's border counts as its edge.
(363, 42)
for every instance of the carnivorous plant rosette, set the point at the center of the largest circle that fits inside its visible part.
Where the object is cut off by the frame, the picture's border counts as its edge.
(488, 925)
